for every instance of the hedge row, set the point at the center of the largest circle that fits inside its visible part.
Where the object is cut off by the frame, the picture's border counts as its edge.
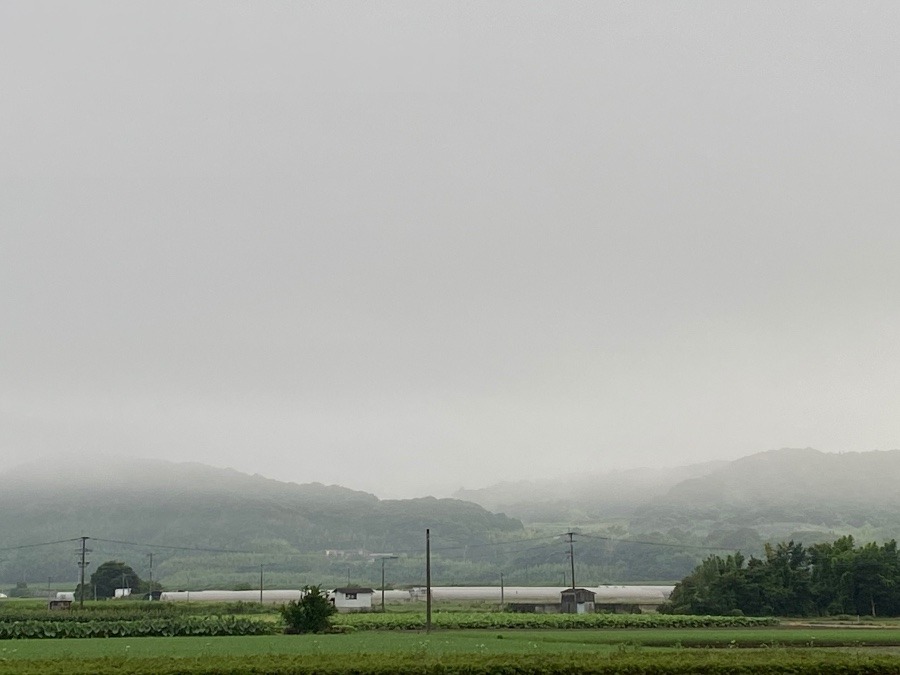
(510, 620)
(159, 626)
(74, 616)
(731, 662)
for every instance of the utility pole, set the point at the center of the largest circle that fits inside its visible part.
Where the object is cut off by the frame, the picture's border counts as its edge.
(428, 580)
(82, 564)
(572, 556)
(260, 583)
(151, 576)
(501, 591)
(383, 558)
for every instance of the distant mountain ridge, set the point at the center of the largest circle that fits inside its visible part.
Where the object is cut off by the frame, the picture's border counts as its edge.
(638, 525)
(585, 496)
(776, 491)
(791, 475)
(837, 491)
(192, 506)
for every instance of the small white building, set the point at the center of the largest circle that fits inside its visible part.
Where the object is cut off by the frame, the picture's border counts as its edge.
(352, 599)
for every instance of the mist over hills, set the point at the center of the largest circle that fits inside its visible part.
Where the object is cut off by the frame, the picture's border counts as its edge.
(794, 476)
(778, 493)
(178, 509)
(583, 497)
(215, 527)
(782, 491)
(151, 499)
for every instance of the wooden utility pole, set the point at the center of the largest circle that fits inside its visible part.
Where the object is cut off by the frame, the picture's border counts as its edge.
(151, 575)
(572, 556)
(82, 564)
(260, 583)
(428, 580)
(383, 558)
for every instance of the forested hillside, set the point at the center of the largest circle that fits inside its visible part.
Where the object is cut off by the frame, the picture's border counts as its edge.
(786, 494)
(779, 494)
(584, 496)
(628, 527)
(657, 524)
(177, 509)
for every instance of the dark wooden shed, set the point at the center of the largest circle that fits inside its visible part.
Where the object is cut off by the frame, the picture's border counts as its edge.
(577, 601)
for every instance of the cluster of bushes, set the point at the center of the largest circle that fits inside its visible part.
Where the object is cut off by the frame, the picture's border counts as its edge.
(311, 614)
(824, 579)
(20, 590)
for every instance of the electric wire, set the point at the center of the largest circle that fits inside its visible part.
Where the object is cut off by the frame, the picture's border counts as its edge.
(43, 543)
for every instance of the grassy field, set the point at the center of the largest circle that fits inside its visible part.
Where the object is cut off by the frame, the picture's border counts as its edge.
(798, 648)
(370, 642)
(445, 653)
(453, 642)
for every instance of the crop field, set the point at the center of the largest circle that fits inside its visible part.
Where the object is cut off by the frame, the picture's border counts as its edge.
(513, 620)
(658, 650)
(228, 639)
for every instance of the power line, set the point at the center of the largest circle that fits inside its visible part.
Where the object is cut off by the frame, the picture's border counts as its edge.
(43, 543)
(655, 543)
(185, 548)
(492, 543)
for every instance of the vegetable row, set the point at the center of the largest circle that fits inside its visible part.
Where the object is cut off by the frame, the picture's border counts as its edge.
(462, 620)
(160, 626)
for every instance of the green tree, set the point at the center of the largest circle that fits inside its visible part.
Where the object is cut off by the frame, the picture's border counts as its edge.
(876, 571)
(20, 591)
(112, 575)
(827, 578)
(716, 586)
(832, 577)
(787, 581)
(311, 614)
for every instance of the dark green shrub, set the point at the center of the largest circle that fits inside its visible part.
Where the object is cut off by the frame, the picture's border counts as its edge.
(311, 614)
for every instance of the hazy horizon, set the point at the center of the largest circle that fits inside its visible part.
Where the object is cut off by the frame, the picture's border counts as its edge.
(106, 467)
(411, 247)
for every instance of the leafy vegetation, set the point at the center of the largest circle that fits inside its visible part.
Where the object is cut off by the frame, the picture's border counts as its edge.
(310, 614)
(109, 577)
(516, 620)
(828, 578)
(637, 663)
(147, 627)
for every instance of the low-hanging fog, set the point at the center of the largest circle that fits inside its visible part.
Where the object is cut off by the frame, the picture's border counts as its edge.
(407, 247)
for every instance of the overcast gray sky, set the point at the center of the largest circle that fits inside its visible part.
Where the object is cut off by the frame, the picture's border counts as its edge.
(413, 246)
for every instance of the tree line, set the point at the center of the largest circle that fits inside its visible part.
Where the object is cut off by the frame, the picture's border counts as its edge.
(825, 579)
